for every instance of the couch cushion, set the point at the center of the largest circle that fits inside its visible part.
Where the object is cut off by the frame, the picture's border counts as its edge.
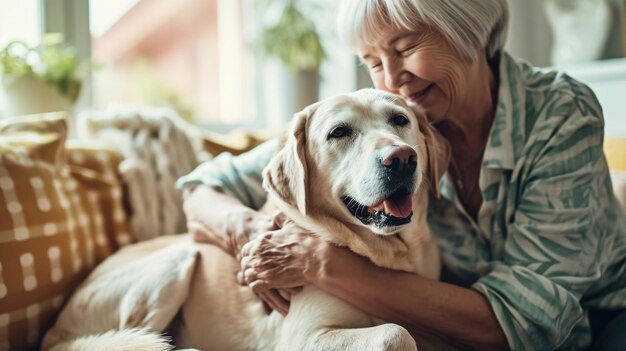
(619, 186)
(235, 142)
(95, 166)
(615, 152)
(49, 227)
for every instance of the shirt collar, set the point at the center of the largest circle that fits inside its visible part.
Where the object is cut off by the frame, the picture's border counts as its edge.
(506, 136)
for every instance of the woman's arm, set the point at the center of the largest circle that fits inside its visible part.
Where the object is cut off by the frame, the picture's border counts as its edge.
(222, 195)
(457, 315)
(215, 217)
(425, 307)
(221, 198)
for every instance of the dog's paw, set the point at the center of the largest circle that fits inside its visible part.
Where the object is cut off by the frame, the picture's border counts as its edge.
(391, 337)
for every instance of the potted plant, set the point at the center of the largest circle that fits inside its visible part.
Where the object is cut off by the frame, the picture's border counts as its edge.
(292, 38)
(40, 78)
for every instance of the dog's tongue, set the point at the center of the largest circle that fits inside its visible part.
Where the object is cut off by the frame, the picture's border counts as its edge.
(398, 206)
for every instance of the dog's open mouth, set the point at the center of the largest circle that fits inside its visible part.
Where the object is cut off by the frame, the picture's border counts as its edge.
(395, 210)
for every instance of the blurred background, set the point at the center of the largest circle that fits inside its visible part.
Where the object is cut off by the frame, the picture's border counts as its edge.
(249, 64)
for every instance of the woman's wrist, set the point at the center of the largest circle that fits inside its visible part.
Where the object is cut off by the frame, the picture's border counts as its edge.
(315, 255)
(325, 263)
(243, 224)
(215, 217)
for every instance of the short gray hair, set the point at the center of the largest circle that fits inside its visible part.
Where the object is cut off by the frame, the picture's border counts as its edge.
(468, 25)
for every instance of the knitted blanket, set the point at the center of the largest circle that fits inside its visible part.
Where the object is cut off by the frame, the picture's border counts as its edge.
(158, 147)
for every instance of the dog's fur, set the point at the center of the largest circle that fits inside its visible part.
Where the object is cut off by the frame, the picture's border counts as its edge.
(151, 287)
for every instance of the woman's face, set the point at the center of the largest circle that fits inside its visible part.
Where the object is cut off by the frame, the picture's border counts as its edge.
(423, 68)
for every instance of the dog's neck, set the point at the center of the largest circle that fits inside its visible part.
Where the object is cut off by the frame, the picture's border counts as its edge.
(406, 250)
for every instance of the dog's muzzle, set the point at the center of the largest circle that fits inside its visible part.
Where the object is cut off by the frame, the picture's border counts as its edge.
(394, 211)
(395, 173)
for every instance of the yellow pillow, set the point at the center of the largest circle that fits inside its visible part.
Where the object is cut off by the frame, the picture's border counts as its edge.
(618, 179)
(615, 152)
(50, 236)
(95, 166)
(235, 142)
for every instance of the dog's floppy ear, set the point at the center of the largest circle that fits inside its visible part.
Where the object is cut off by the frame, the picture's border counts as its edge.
(286, 175)
(437, 148)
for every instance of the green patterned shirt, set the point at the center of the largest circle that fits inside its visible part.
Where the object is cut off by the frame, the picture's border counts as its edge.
(550, 239)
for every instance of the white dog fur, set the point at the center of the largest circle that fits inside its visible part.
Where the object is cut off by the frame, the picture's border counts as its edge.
(172, 285)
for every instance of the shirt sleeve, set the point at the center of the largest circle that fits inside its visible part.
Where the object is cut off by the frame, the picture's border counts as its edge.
(550, 257)
(240, 176)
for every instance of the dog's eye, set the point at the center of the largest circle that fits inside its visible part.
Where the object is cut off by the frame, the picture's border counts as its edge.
(339, 132)
(399, 120)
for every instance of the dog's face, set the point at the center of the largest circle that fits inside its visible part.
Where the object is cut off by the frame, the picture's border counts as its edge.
(362, 156)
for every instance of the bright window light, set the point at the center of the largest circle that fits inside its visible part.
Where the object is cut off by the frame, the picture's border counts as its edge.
(190, 55)
(20, 20)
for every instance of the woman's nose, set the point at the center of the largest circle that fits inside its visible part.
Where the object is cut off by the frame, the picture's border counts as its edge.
(395, 75)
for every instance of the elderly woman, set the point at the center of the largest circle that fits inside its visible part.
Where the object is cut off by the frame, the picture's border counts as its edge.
(532, 239)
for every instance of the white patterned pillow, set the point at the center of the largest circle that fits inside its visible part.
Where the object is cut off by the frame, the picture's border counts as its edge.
(52, 227)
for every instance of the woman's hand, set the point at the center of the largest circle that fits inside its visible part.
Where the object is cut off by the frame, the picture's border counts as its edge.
(279, 262)
(217, 218)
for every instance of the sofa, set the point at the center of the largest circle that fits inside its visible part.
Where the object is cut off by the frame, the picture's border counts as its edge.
(65, 205)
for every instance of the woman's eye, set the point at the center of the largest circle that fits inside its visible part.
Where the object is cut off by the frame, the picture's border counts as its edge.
(399, 120)
(408, 50)
(339, 132)
(374, 66)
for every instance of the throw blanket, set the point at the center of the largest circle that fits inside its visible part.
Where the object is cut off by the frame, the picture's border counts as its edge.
(158, 147)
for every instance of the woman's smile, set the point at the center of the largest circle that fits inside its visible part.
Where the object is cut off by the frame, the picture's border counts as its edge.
(420, 96)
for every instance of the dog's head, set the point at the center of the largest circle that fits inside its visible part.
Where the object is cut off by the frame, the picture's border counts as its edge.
(361, 157)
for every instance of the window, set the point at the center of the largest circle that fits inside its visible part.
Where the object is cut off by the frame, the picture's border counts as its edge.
(19, 20)
(190, 55)
(200, 57)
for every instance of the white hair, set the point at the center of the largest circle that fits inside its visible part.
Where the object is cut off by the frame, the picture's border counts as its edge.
(468, 25)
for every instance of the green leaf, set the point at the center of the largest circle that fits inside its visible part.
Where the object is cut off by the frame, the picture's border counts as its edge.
(52, 62)
(294, 40)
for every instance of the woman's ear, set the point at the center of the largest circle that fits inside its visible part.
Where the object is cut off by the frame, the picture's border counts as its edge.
(437, 149)
(286, 176)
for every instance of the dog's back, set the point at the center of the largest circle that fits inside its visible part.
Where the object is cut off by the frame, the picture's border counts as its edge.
(219, 314)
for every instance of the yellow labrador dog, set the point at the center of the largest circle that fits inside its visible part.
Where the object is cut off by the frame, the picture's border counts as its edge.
(354, 169)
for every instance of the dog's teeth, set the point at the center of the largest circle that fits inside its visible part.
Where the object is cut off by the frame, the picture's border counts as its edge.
(378, 208)
(386, 208)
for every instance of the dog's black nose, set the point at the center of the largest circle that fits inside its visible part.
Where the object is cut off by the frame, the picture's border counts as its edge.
(400, 160)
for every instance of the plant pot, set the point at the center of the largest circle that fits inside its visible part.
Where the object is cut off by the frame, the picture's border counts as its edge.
(307, 84)
(29, 95)
(285, 93)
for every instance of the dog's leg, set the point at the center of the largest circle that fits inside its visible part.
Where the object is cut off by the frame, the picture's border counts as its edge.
(319, 321)
(388, 337)
(129, 302)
